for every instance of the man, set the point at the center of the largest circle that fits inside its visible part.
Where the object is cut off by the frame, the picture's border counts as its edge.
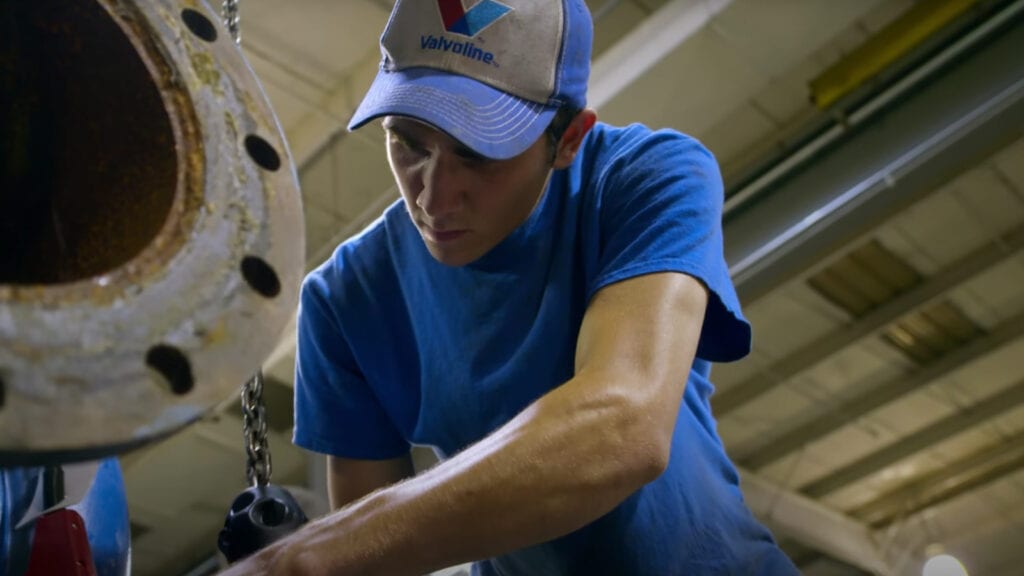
(541, 309)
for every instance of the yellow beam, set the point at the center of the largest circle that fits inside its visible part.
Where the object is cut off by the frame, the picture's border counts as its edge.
(905, 33)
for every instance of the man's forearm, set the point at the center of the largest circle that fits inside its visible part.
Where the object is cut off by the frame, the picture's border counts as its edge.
(557, 466)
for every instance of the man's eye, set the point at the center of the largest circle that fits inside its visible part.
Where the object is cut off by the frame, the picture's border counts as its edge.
(407, 143)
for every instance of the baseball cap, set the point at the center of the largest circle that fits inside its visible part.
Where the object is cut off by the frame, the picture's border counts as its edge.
(491, 75)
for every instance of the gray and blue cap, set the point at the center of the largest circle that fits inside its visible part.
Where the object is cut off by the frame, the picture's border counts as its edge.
(491, 76)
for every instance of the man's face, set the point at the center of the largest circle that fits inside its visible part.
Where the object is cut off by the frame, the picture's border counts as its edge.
(462, 203)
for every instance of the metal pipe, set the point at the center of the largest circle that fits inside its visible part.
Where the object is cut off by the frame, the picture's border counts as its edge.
(907, 150)
(800, 157)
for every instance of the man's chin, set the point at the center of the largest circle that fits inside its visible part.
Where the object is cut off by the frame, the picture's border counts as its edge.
(453, 258)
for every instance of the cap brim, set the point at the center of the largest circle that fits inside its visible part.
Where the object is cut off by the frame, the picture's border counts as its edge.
(492, 123)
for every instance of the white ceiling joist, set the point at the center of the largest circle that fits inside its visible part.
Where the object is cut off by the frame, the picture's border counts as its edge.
(320, 126)
(816, 525)
(646, 45)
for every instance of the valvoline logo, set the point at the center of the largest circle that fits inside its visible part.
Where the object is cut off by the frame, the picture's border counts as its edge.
(458, 20)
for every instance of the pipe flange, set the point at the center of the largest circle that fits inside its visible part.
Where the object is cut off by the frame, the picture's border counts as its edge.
(132, 320)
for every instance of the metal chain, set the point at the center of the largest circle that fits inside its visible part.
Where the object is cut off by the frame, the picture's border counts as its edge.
(258, 466)
(229, 12)
(254, 427)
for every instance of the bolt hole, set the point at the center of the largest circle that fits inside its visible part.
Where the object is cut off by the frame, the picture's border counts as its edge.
(262, 153)
(242, 502)
(260, 276)
(199, 25)
(270, 513)
(173, 365)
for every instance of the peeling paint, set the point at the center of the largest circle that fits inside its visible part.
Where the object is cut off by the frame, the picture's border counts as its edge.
(206, 70)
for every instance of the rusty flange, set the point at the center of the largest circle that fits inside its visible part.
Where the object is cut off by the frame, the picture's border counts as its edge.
(151, 235)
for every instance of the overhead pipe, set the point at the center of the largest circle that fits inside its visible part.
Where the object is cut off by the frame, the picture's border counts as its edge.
(904, 145)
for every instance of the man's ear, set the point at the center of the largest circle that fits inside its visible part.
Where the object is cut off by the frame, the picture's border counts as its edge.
(573, 138)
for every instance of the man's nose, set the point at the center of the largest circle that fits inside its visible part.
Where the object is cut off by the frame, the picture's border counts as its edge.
(444, 188)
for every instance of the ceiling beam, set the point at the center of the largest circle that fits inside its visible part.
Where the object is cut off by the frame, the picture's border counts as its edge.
(999, 531)
(815, 525)
(953, 479)
(995, 252)
(324, 123)
(646, 45)
(961, 421)
(870, 397)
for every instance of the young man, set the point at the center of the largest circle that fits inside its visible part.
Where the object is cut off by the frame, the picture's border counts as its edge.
(541, 309)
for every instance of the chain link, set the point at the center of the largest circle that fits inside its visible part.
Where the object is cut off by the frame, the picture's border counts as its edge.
(258, 466)
(229, 12)
(254, 427)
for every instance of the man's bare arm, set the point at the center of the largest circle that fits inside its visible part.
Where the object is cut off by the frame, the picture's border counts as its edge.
(566, 460)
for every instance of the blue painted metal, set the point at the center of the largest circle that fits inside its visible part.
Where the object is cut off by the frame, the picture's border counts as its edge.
(18, 489)
(105, 512)
(103, 508)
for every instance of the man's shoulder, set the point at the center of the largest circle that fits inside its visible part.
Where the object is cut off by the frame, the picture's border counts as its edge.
(359, 263)
(626, 160)
(607, 140)
(368, 247)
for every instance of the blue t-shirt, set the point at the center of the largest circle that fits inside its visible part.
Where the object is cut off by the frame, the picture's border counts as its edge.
(396, 349)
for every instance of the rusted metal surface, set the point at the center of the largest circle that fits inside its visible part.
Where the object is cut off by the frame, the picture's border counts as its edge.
(96, 167)
(129, 202)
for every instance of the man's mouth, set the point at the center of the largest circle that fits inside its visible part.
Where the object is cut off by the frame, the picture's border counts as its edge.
(442, 236)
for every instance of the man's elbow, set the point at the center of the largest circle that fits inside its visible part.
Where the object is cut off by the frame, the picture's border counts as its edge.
(643, 450)
(630, 435)
(650, 461)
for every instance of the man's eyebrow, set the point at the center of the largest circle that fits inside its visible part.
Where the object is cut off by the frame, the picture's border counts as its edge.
(468, 153)
(397, 129)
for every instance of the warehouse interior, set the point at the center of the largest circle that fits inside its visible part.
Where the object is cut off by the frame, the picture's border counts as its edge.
(873, 159)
